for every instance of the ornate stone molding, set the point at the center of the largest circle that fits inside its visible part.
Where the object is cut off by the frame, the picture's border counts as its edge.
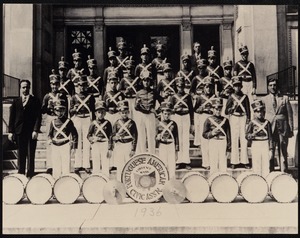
(186, 25)
(227, 26)
(99, 27)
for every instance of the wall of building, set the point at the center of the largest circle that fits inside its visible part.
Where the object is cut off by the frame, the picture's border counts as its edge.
(18, 40)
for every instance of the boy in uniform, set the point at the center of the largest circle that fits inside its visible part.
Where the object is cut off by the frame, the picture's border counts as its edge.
(95, 83)
(125, 137)
(259, 132)
(61, 128)
(145, 114)
(197, 84)
(217, 131)
(214, 70)
(203, 109)
(186, 72)
(167, 138)
(238, 109)
(48, 109)
(82, 110)
(121, 58)
(184, 118)
(159, 61)
(99, 136)
(66, 85)
(129, 85)
(74, 73)
(166, 86)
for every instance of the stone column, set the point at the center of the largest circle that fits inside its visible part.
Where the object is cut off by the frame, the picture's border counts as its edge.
(185, 31)
(226, 43)
(99, 39)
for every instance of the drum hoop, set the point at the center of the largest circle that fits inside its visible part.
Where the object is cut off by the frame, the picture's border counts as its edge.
(24, 186)
(196, 174)
(92, 175)
(271, 183)
(80, 185)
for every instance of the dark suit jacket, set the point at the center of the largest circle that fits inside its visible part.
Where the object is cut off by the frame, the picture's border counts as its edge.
(281, 118)
(25, 119)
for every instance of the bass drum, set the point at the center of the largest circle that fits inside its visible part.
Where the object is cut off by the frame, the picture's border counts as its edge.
(282, 186)
(197, 187)
(223, 187)
(39, 189)
(253, 187)
(67, 188)
(92, 188)
(14, 188)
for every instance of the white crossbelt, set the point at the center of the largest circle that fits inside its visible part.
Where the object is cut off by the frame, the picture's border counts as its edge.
(60, 131)
(76, 75)
(180, 100)
(100, 129)
(63, 86)
(201, 81)
(228, 83)
(186, 77)
(245, 69)
(213, 72)
(82, 102)
(168, 85)
(239, 102)
(113, 98)
(121, 63)
(124, 128)
(261, 127)
(218, 125)
(167, 129)
(208, 100)
(158, 64)
(145, 67)
(93, 83)
(53, 98)
(131, 85)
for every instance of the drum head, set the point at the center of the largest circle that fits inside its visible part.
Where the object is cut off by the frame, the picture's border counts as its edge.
(254, 188)
(114, 192)
(224, 188)
(66, 189)
(284, 188)
(39, 190)
(174, 191)
(92, 188)
(13, 190)
(197, 188)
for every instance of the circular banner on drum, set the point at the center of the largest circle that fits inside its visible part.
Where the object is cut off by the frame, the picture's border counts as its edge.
(144, 176)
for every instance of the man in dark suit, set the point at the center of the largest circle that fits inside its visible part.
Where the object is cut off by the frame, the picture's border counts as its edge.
(196, 56)
(24, 125)
(279, 112)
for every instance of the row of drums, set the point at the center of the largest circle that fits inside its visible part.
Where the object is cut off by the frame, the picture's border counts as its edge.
(97, 188)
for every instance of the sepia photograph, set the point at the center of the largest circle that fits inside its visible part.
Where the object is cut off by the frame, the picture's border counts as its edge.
(169, 117)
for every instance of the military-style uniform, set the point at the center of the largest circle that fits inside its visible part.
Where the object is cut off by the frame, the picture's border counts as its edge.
(246, 71)
(215, 71)
(95, 82)
(82, 110)
(146, 65)
(125, 137)
(238, 109)
(166, 86)
(158, 62)
(100, 137)
(203, 109)
(145, 115)
(48, 109)
(59, 134)
(78, 70)
(226, 85)
(66, 86)
(184, 118)
(198, 81)
(129, 85)
(217, 130)
(122, 57)
(259, 132)
(167, 138)
(186, 72)
(279, 112)
(112, 68)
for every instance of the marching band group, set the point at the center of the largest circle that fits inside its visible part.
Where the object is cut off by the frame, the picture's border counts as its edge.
(133, 109)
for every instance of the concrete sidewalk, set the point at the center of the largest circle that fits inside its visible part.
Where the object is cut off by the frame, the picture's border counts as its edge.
(130, 217)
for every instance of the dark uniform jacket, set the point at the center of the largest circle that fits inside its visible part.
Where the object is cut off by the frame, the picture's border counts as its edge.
(66, 86)
(246, 71)
(166, 87)
(194, 59)
(95, 85)
(197, 85)
(233, 107)
(60, 131)
(74, 72)
(216, 72)
(146, 99)
(105, 76)
(111, 99)
(127, 132)
(102, 130)
(188, 77)
(227, 87)
(168, 132)
(157, 66)
(48, 102)
(82, 105)
(259, 130)
(203, 103)
(130, 86)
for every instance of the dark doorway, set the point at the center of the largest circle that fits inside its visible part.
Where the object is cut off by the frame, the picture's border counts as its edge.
(207, 36)
(136, 36)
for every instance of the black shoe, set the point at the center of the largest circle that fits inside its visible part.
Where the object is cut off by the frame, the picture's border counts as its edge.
(206, 167)
(88, 171)
(247, 166)
(188, 167)
(49, 171)
(77, 171)
(233, 166)
(113, 168)
(178, 166)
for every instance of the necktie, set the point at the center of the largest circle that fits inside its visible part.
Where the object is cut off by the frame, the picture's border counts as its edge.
(24, 100)
(274, 102)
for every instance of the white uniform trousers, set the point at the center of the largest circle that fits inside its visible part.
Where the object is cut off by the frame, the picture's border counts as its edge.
(203, 141)
(223, 108)
(132, 111)
(61, 159)
(122, 151)
(183, 124)
(198, 129)
(247, 89)
(82, 154)
(167, 155)
(260, 157)
(112, 118)
(217, 155)
(48, 147)
(146, 125)
(99, 158)
(237, 130)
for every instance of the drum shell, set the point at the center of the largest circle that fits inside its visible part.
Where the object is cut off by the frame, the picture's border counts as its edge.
(174, 191)
(202, 185)
(253, 187)
(14, 188)
(35, 188)
(282, 186)
(108, 189)
(91, 190)
(67, 188)
(223, 187)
